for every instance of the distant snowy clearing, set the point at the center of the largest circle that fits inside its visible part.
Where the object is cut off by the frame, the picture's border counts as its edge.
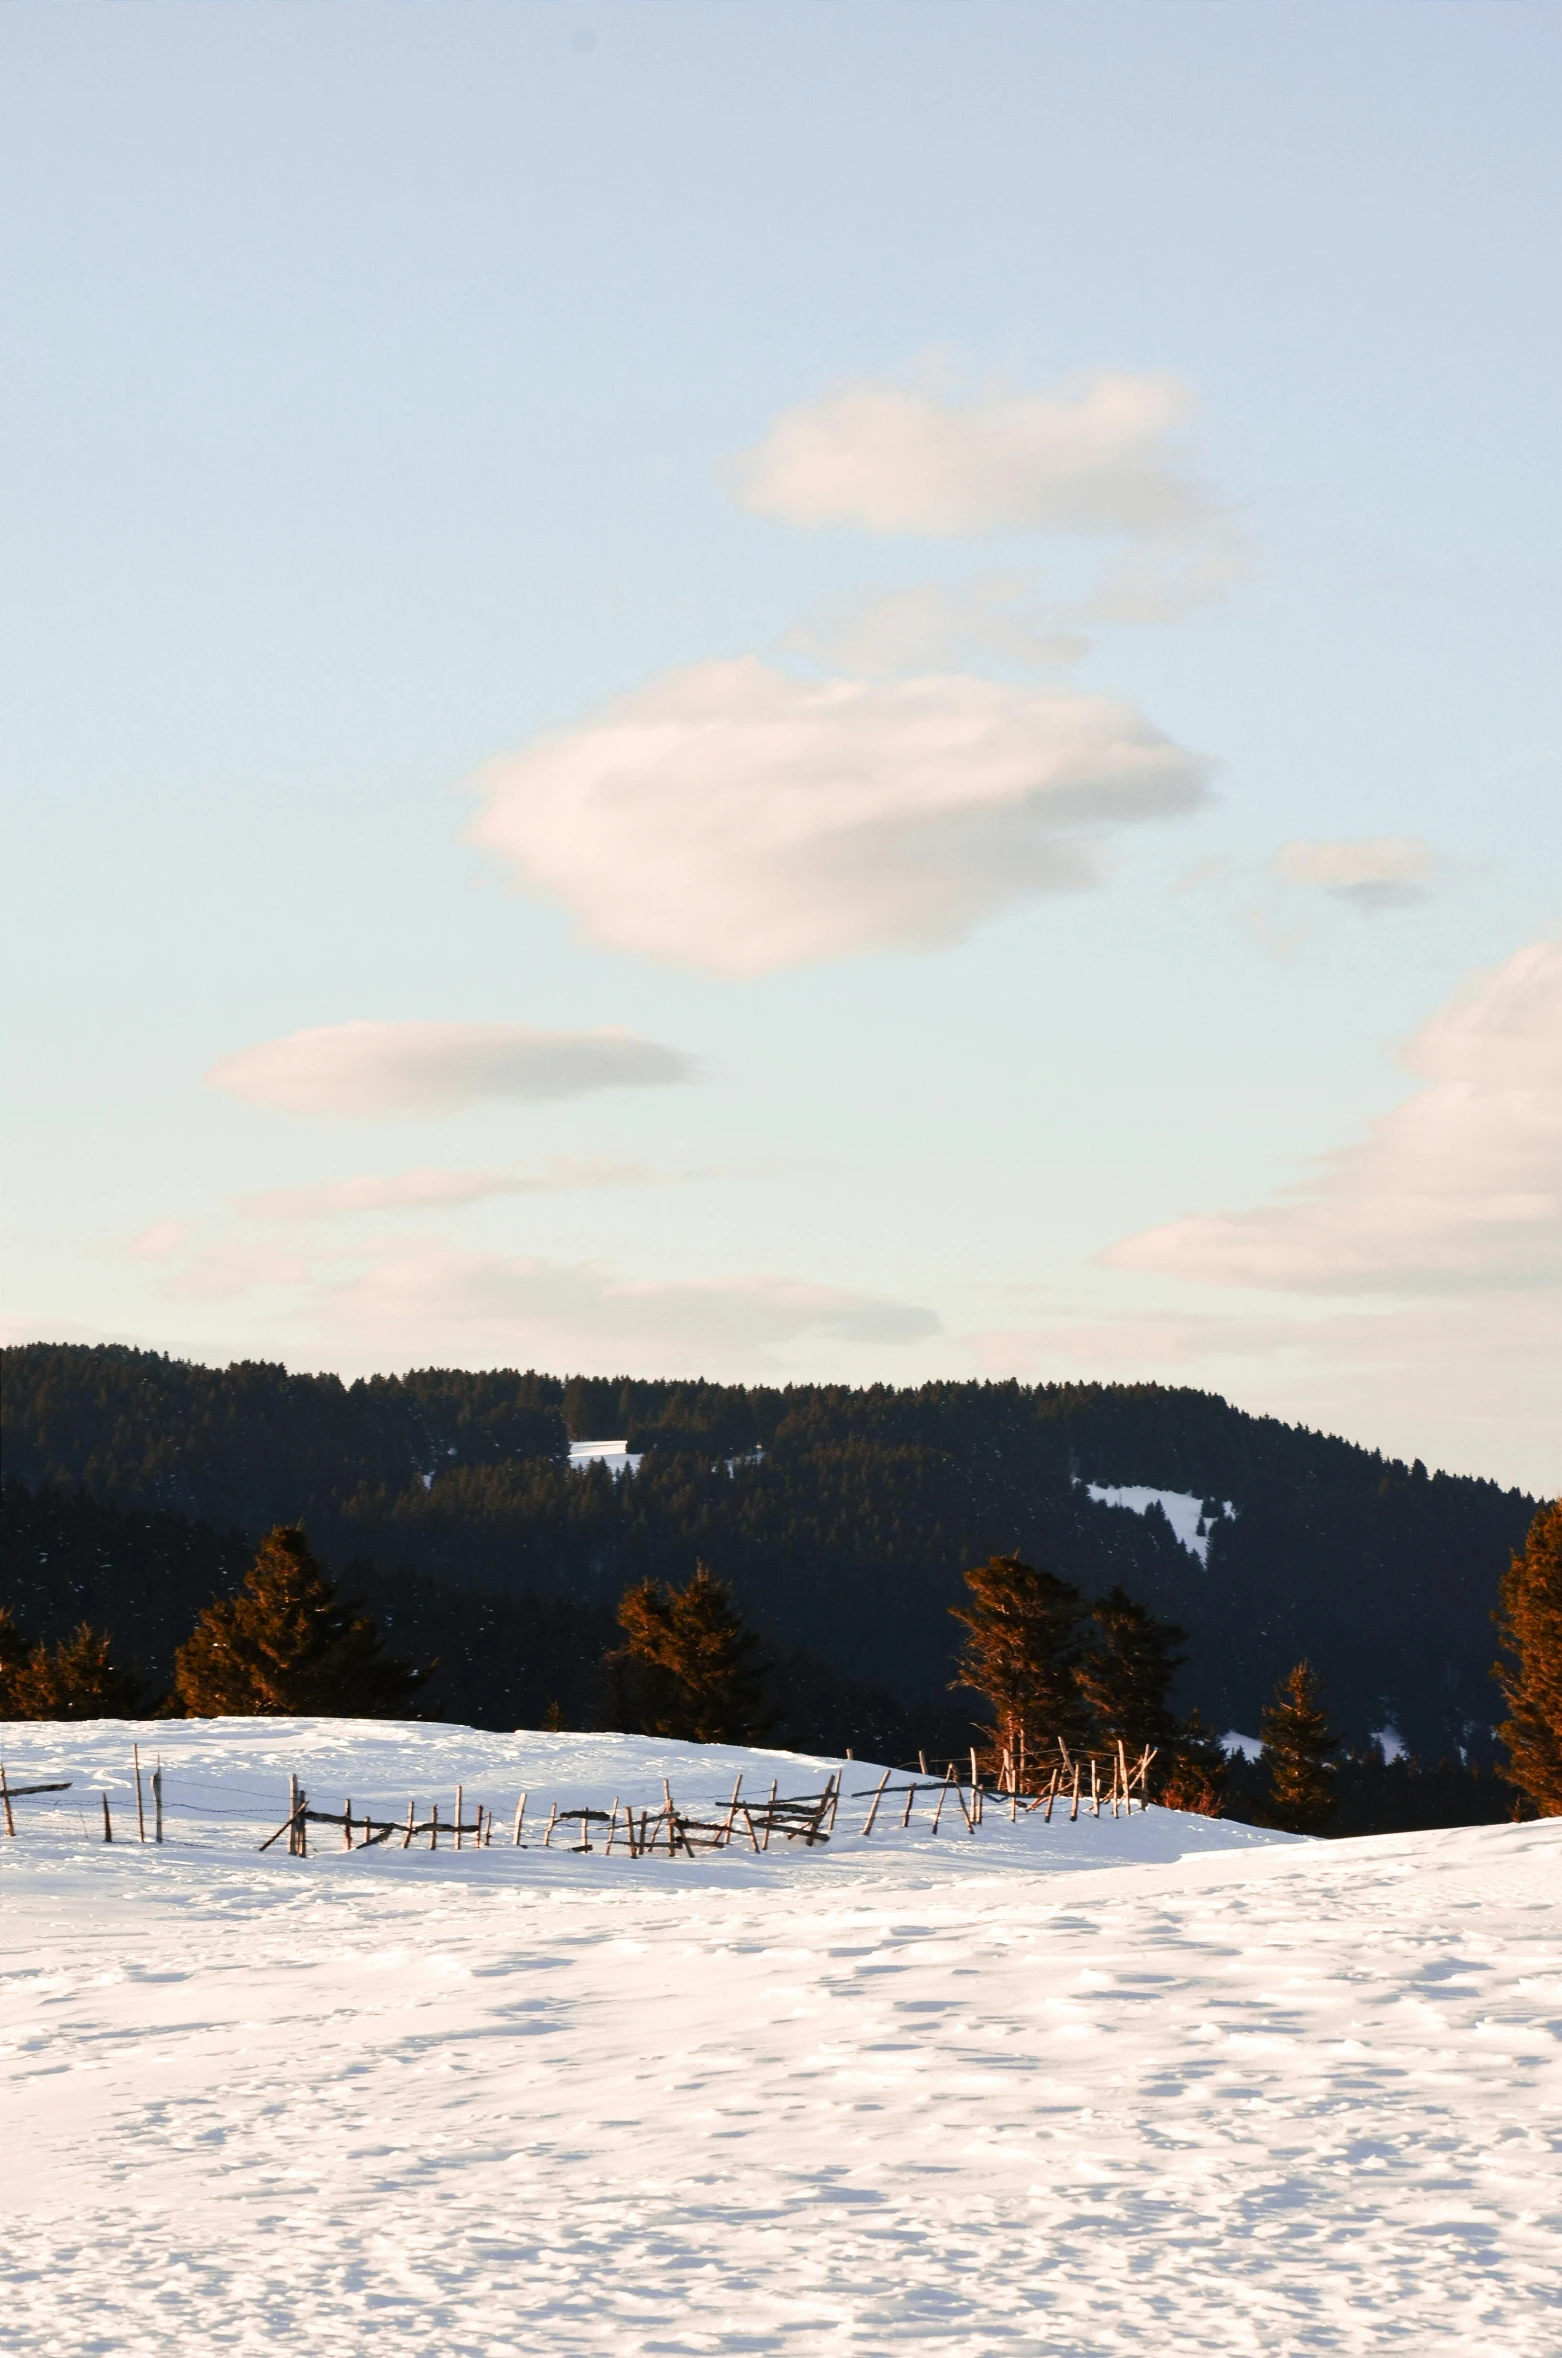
(1225, 2092)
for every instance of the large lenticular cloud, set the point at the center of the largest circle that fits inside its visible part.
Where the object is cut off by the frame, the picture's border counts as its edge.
(733, 817)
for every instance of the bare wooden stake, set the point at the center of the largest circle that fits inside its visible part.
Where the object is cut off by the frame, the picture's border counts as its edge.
(1095, 1786)
(347, 1825)
(732, 1810)
(553, 1817)
(108, 1823)
(1052, 1794)
(520, 1817)
(943, 1796)
(458, 1817)
(157, 1800)
(433, 1825)
(5, 1796)
(877, 1798)
(135, 1753)
(911, 1798)
(292, 1817)
(922, 1762)
(1074, 1810)
(770, 1808)
(412, 1825)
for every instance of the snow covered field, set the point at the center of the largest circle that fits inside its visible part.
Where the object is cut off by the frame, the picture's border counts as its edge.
(1153, 2086)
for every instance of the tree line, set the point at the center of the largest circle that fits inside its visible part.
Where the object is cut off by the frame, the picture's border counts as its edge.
(1051, 1669)
(840, 1516)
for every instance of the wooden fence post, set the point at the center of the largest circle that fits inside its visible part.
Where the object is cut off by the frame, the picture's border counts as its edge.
(412, 1812)
(458, 1817)
(520, 1818)
(135, 1753)
(911, 1803)
(157, 1800)
(5, 1796)
(108, 1824)
(877, 1798)
(292, 1817)
(547, 1839)
(433, 1825)
(347, 1825)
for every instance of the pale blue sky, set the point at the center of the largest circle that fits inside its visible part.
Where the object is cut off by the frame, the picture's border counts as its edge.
(380, 377)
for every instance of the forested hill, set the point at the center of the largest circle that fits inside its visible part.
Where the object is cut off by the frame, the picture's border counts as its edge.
(843, 1518)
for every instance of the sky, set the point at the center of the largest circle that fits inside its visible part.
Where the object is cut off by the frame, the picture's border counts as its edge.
(855, 692)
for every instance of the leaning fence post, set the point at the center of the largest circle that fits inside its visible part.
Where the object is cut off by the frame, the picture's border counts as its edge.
(5, 1796)
(108, 1827)
(520, 1817)
(412, 1811)
(135, 1753)
(877, 1798)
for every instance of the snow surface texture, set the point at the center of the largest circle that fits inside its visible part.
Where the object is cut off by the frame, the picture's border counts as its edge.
(1224, 2092)
(1182, 1510)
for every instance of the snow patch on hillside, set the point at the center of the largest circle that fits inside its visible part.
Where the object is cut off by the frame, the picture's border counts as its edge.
(1182, 1510)
(612, 1454)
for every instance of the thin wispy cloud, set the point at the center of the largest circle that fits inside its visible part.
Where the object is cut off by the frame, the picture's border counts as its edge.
(1097, 455)
(431, 1189)
(1372, 872)
(1458, 1187)
(487, 1301)
(732, 817)
(373, 1071)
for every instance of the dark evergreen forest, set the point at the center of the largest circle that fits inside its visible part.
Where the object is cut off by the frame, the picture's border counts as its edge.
(843, 1519)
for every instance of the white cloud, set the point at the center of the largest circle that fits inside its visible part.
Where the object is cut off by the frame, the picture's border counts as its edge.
(732, 817)
(1375, 872)
(374, 1070)
(1459, 1186)
(432, 1189)
(157, 1242)
(422, 1297)
(1095, 455)
(933, 624)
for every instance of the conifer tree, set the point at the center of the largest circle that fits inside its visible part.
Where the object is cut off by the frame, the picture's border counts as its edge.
(79, 1680)
(689, 1668)
(1195, 1776)
(1297, 1749)
(13, 1665)
(1529, 1623)
(1125, 1674)
(289, 1643)
(1024, 1640)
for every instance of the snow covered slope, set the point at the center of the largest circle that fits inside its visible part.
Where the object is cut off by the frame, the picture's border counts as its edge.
(1225, 2092)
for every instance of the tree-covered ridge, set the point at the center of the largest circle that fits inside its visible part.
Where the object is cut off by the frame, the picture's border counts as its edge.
(847, 1535)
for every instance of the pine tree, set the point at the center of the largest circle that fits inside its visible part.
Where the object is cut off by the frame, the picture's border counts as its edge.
(1195, 1776)
(1529, 1623)
(690, 1669)
(1024, 1640)
(288, 1643)
(1125, 1674)
(13, 1667)
(79, 1680)
(1297, 1748)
